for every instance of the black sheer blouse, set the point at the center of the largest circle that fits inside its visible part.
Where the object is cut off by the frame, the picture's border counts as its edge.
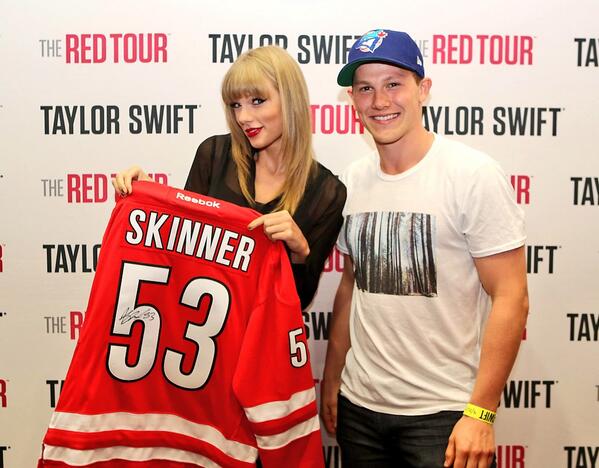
(214, 173)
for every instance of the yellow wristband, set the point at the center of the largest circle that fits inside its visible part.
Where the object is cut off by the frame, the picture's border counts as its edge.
(476, 412)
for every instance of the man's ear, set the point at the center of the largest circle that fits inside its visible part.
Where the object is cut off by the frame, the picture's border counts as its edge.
(424, 88)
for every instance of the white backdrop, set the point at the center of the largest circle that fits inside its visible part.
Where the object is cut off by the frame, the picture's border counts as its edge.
(79, 88)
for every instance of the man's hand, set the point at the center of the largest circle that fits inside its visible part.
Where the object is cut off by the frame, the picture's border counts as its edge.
(471, 444)
(329, 398)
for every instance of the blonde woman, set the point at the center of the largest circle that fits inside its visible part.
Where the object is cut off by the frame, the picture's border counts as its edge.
(267, 163)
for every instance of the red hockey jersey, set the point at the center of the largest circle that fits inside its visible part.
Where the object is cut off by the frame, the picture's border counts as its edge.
(193, 351)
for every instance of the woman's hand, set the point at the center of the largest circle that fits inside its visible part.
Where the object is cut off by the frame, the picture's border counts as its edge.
(281, 226)
(122, 181)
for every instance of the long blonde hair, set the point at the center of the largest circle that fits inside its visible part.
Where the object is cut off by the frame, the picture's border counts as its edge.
(247, 77)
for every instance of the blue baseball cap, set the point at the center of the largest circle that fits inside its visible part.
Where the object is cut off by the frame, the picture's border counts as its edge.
(382, 45)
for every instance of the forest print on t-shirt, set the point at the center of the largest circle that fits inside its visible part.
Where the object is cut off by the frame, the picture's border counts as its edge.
(393, 252)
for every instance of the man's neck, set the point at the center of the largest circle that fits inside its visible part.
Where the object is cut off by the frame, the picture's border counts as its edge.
(406, 152)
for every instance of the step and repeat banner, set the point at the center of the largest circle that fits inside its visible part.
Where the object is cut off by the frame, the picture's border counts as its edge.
(90, 88)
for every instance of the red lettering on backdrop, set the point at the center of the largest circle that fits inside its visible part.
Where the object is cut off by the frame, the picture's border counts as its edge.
(85, 48)
(99, 41)
(72, 48)
(334, 261)
(129, 47)
(115, 42)
(94, 188)
(439, 48)
(3, 402)
(160, 54)
(521, 184)
(510, 456)
(526, 50)
(340, 119)
(494, 49)
(73, 188)
(87, 188)
(76, 323)
(159, 177)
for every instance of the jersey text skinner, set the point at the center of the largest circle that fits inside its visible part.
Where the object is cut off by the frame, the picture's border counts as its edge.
(193, 238)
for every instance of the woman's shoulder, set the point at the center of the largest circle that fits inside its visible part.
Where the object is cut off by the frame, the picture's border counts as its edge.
(215, 143)
(327, 184)
(214, 151)
(323, 173)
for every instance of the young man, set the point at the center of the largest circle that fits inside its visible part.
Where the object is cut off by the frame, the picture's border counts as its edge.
(433, 301)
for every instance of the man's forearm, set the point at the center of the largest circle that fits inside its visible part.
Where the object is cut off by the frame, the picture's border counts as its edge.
(339, 339)
(500, 345)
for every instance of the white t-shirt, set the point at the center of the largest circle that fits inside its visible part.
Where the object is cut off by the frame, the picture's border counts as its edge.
(418, 307)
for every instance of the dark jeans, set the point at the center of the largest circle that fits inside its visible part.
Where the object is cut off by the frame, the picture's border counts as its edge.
(377, 440)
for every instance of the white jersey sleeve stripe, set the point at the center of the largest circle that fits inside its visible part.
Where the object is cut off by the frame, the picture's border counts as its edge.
(277, 441)
(153, 422)
(75, 457)
(282, 408)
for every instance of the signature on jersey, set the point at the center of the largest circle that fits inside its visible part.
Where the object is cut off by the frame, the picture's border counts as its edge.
(139, 313)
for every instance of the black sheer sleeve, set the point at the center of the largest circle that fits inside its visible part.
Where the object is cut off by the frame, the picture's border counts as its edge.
(214, 173)
(200, 174)
(320, 218)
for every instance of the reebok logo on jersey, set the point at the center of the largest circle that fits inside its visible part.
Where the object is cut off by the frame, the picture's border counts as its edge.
(198, 201)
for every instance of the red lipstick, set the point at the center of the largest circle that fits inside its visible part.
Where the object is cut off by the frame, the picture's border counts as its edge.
(252, 132)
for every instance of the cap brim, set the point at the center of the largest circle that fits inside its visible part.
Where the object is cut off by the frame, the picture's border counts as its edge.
(346, 75)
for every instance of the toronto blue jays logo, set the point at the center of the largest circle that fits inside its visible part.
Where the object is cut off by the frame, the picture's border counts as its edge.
(370, 41)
